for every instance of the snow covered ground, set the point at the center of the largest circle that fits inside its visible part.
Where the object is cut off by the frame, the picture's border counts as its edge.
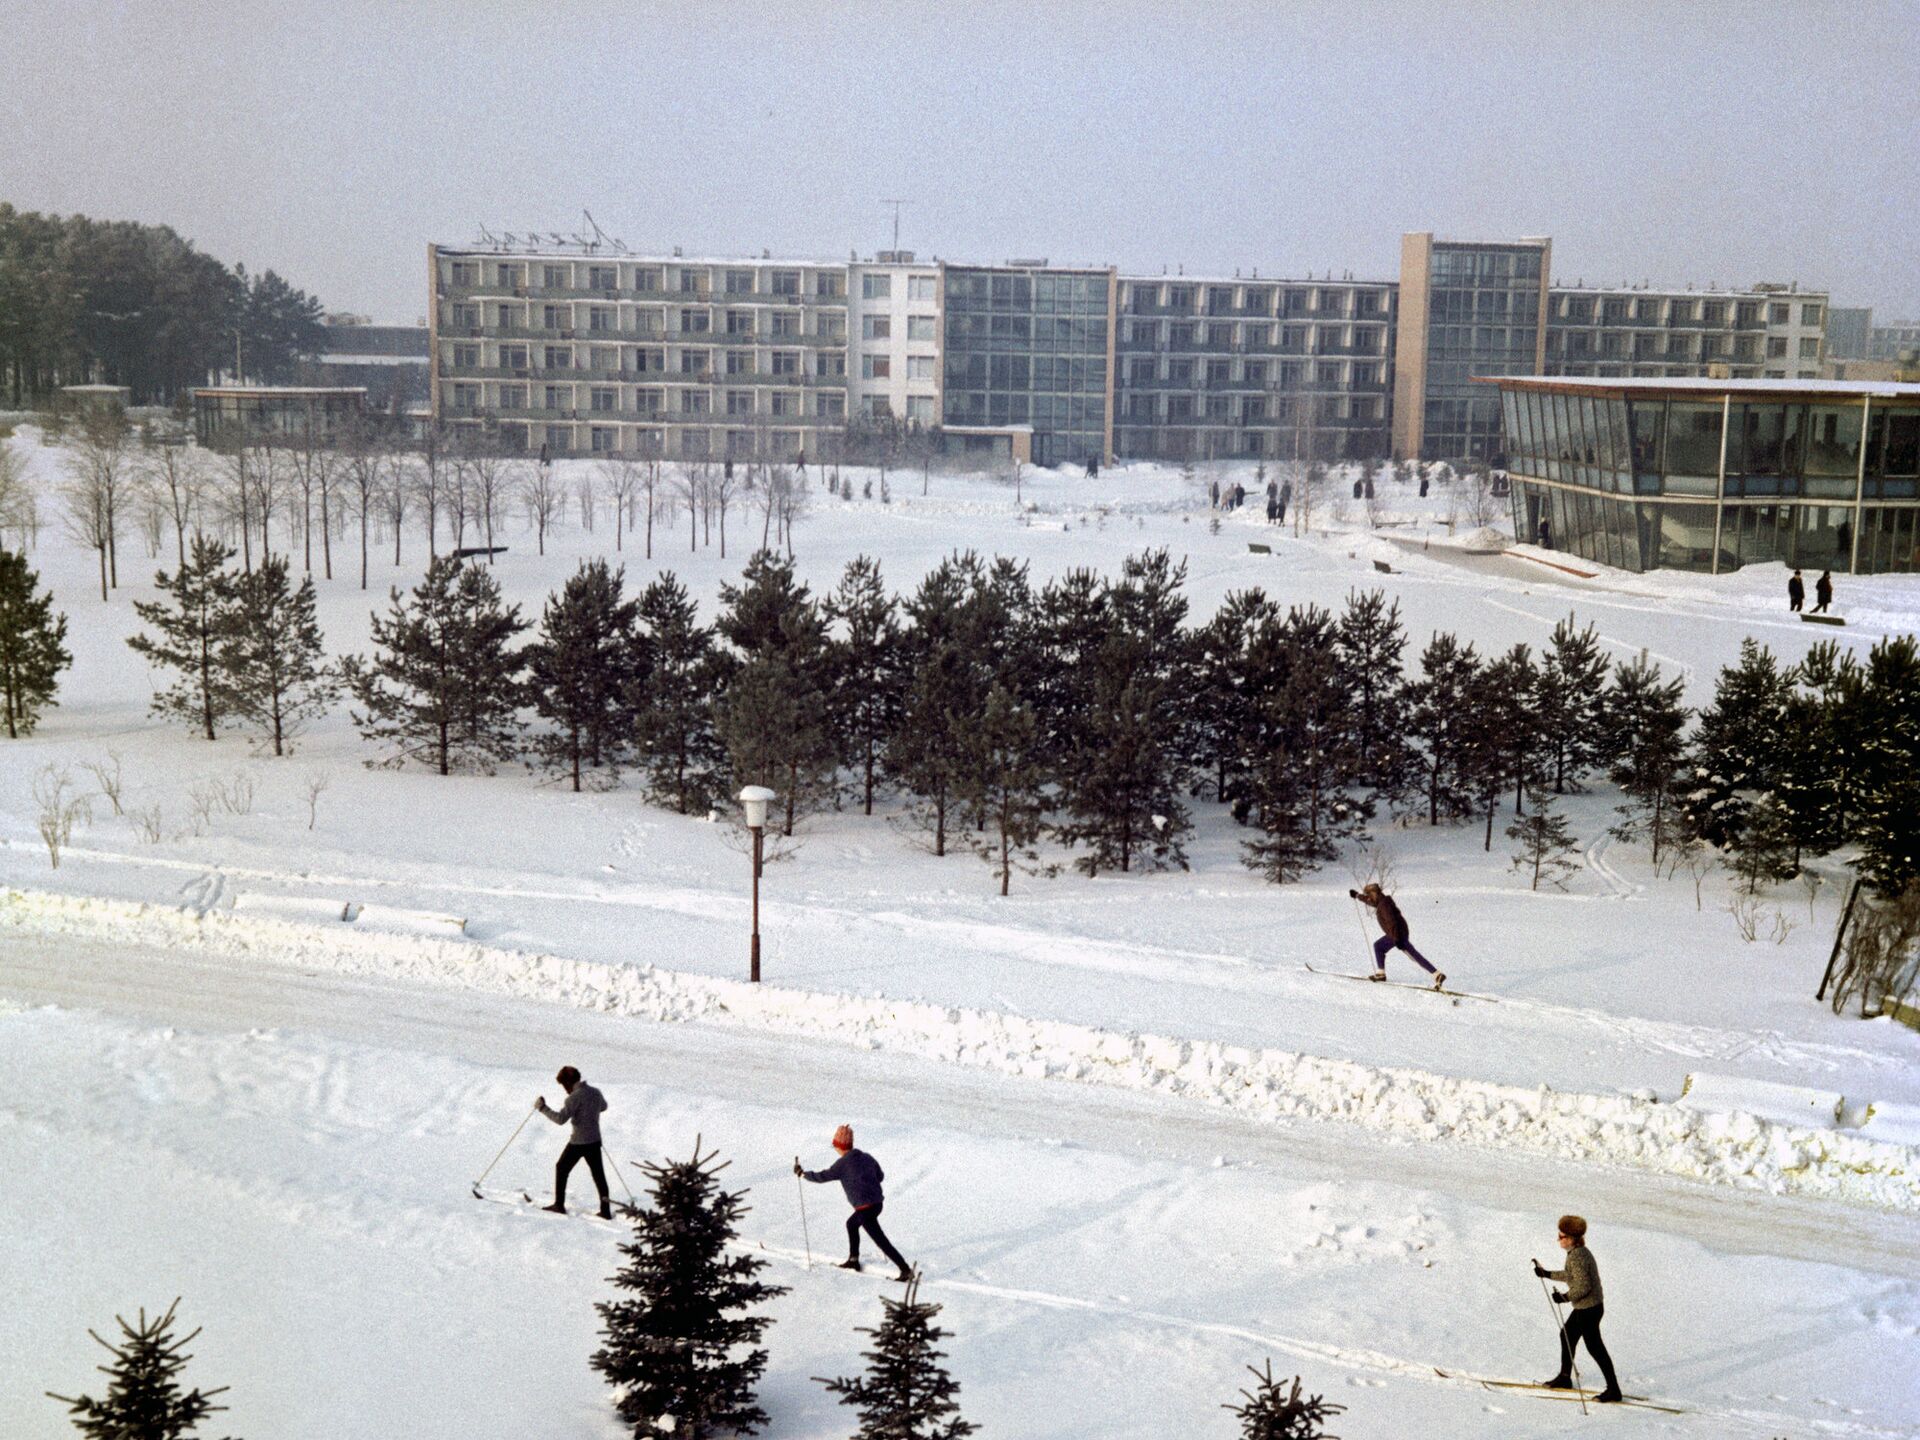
(224, 1091)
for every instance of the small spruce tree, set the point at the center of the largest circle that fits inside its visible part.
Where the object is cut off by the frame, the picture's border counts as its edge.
(866, 681)
(192, 624)
(1006, 783)
(33, 648)
(1763, 848)
(1276, 1410)
(683, 1356)
(273, 659)
(1545, 842)
(1571, 693)
(1441, 718)
(144, 1400)
(579, 668)
(906, 1393)
(672, 699)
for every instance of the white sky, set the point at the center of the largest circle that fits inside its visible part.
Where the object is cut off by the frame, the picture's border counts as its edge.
(332, 139)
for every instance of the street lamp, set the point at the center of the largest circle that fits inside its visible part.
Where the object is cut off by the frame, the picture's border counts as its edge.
(753, 800)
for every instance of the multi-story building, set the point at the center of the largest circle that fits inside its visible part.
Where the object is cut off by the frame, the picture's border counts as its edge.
(1467, 309)
(1849, 332)
(388, 361)
(1771, 332)
(615, 354)
(1713, 474)
(1031, 345)
(1893, 342)
(1212, 369)
(893, 340)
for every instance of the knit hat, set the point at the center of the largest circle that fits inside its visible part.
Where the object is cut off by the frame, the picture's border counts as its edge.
(843, 1138)
(1370, 888)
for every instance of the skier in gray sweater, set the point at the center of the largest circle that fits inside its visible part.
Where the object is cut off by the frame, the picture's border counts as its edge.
(1582, 1279)
(582, 1111)
(859, 1175)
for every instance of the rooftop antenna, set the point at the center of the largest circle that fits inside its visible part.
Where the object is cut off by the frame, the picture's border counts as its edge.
(896, 204)
(612, 242)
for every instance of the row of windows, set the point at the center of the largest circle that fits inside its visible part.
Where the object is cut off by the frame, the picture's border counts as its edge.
(1223, 335)
(880, 367)
(1681, 310)
(1146, 296)
(880, 287)
(613, 279)
(1049, 412)
(1059, 331)
(920, 409)
(1248, 410)
(1027, 372)
(880, 327)
(1288, 374)
(606, 320)
(1454, 265)
(468, 397)
(1043, 291)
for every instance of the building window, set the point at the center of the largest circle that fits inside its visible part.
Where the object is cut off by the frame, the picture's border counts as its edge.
(876, 327)
(920, 409)
(739, 322)
(739, 362)
(920, 367)
(606, 400)
(513, 397)
(466, 397)
(1779, 314)
(786, 362)
(1809, 314)
(922, 287)
(695, 322)
(466, 357)
(646, 279)
(695, 402)
(602, 439)
(785, 325)
(830, 407)
(557, 397)
(1776, 346)
(1219, 372)
(785, 403)
(921, 327)
(739, 402)
(786, 282)
(603, 277)
(739, 282)
(827, 285)
(876, 287)
(875, 367)
(465, 273)
(878, 407)
(1810, 347)
(693, 362)
(559, 357)
(600, 319)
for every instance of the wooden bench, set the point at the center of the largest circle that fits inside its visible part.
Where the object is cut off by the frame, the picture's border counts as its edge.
(1813, 619)
(1259, 549)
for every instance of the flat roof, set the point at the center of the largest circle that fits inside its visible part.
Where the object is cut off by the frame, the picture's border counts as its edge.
(1694, 385)
(244, 391)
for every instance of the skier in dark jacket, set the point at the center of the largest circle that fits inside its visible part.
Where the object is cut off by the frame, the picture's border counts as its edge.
(583, 1110)
(1393, 933)
(859, 1175)
(1823, 592)
(1582, 1279)
(1796, 591)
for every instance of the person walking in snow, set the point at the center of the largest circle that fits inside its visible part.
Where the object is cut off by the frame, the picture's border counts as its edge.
(1393, 933)
(583, 1110)
(859, 1175)
(1582, 1279)
(1823, 592)
(1796, 591)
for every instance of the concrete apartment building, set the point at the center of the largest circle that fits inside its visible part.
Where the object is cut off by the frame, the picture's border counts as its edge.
(1893, 342)
(579, 352)
(1252, 368)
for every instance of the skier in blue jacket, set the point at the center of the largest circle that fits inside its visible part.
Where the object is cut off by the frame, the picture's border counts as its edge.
(859, 1175)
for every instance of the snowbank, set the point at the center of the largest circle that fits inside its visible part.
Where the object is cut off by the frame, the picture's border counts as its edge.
(1737, 1149)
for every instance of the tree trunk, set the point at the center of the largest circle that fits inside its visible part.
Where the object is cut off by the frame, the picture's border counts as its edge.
(103, 572)
(576, 759)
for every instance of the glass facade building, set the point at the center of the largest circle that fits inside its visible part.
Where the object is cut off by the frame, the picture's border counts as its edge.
(1027, 345)
(1710, 475)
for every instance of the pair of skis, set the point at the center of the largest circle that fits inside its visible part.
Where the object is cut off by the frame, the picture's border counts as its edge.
(1403, 985)
(522, 1200)
(1549, 1392)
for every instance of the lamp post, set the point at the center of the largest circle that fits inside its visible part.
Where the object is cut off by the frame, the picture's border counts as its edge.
(753, 799)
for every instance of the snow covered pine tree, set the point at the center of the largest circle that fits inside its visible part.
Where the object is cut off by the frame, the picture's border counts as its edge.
(674, 1352)
(672, 698)
(272, 657)
(906, 1393)
(579, 668)
(33, 648)
(143, 1401)
(1274, 1412)
(191, 628)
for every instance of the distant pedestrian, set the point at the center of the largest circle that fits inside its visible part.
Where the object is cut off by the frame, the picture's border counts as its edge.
(1393, 933)
(1546, 534)
(1273, 511)
(1359, 488)
(585, 1105)
(1796, 591)
(1423, 486)
(1823, 592)
(1239, 496)
(1213, 496)
(1582, 1279)
(859, 1175)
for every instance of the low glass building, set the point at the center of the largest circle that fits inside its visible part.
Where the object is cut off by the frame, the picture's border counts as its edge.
(1711, 475)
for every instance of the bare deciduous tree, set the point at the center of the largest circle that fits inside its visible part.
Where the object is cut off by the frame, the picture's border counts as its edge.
(621, 479)
(17, 504)
(175, 475)
(543, 500)
(99, 475)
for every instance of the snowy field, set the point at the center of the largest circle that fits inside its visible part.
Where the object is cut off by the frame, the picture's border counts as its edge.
(1134, 1142)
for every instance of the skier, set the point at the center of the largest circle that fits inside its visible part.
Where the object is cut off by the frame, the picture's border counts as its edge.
(859, 1175)
(1823, 592)
(583, 1109)
(1393, 933)
(1796, 592)
(1582, 1279)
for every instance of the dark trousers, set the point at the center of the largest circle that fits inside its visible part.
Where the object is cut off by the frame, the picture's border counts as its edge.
(572, 1156)
(1795, 601)
(1585, 1325)
(1387, 942)
(867, 1218)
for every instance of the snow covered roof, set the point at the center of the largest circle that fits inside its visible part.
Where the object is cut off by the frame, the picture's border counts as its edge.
(249, 391)
(1841, 389)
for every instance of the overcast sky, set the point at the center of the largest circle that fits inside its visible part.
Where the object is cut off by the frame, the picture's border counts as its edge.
(333, 139)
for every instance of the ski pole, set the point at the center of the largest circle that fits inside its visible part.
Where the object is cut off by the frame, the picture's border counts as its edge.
(1565, 1344)
(632, 1204)
(805, 1238)
(1360, 919)
(503, 1150)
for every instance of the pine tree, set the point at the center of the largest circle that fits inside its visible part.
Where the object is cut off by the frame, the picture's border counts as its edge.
(33, 648)
(1369, 643)
(674, 1352)
(673, 698)
(192, 625)
(1888, 824)
(1441, 718)
(1762, 849)
(906, 1393)
(866, 684)
(1642, 726)
(1232, 679)
(1737, 744)
(579, 668)
(1572, 691)
(1124, 779)
(1274, 1412)
(443, 688)
(144, 1400)
(1006, 782)
(272, 658)
(1545, 842)
(944, 691)
(1511, 697)
(773, 719)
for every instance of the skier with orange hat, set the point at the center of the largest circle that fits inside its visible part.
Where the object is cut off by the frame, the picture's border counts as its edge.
(859, 1175)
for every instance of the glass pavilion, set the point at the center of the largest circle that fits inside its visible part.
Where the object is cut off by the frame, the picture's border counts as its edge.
(1710, 475)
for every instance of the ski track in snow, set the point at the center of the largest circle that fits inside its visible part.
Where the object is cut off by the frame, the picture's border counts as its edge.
(1729, 1149)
